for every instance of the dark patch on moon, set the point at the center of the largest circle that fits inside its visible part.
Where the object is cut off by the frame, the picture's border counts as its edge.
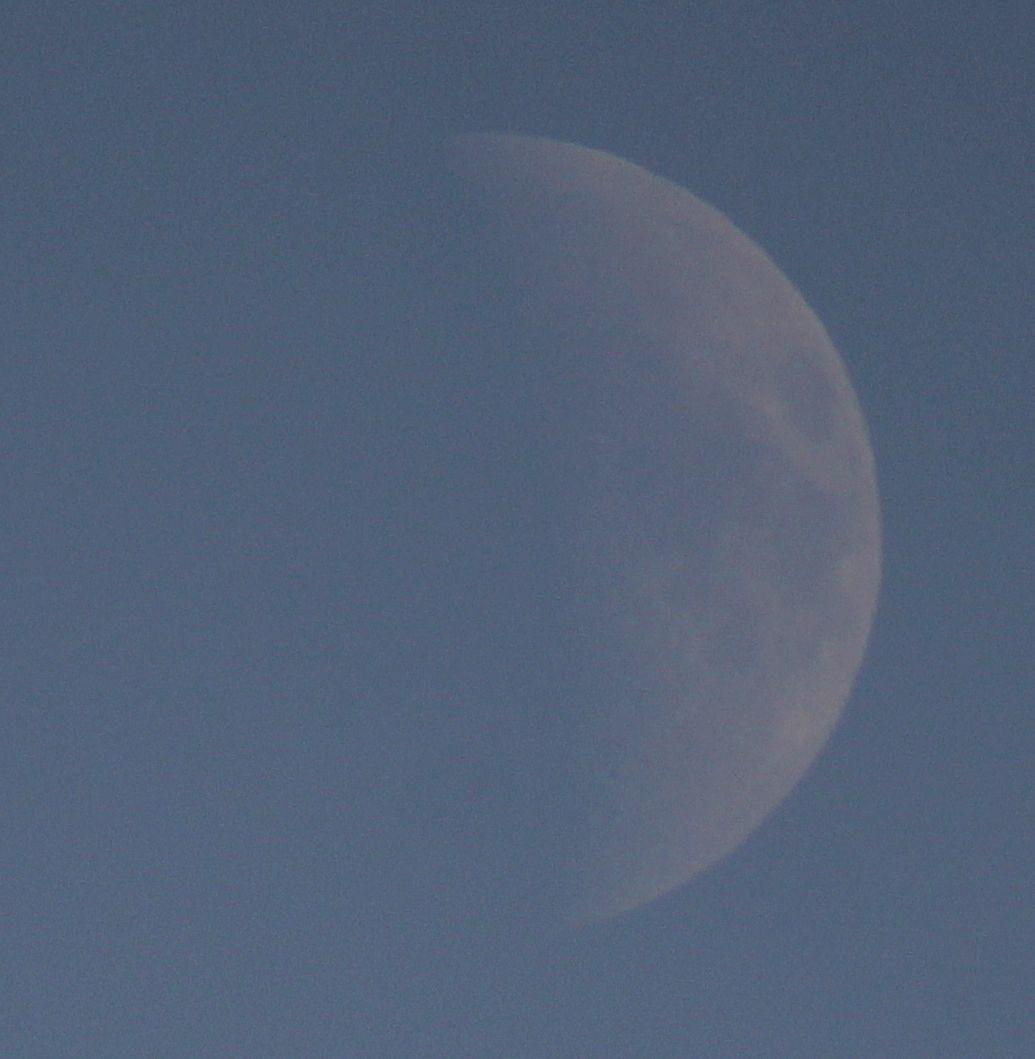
(806, 388)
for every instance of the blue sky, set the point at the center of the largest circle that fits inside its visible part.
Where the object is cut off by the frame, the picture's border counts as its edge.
(187, 867)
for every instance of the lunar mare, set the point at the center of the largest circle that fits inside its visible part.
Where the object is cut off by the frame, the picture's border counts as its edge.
(720, 505)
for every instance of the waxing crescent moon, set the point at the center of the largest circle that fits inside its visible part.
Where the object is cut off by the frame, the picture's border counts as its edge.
(720, 505)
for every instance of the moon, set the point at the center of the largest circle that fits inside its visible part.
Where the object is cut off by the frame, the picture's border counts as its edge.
(713, 493)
